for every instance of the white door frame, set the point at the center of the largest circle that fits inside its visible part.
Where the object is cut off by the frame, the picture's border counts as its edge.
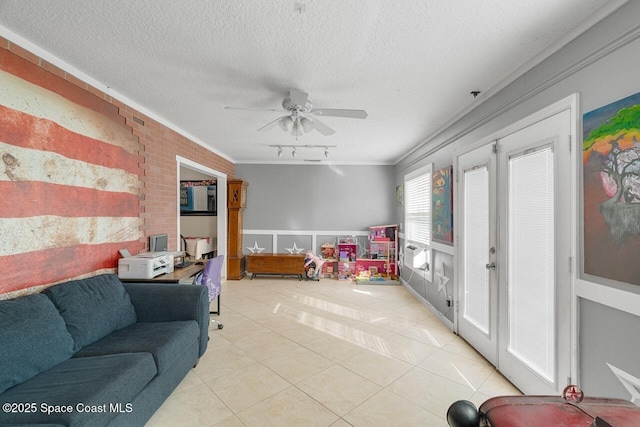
(221, 202)
(570, 103)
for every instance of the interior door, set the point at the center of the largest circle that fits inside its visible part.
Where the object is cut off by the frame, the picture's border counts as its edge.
(478, 285)
(514, 291)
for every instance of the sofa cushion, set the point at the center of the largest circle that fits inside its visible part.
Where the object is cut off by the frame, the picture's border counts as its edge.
(92, 390)
(33, 338)
(92, 308)
(166, 341)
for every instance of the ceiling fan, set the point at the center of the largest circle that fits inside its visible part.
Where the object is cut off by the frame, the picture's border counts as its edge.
(301, 115)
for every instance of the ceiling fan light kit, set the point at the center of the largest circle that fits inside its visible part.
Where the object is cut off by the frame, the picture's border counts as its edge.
(301, 117)
(285, 123)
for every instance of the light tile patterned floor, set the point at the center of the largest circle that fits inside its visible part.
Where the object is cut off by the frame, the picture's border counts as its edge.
(327, 353)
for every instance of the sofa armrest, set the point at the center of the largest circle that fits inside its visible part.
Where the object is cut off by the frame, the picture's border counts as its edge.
(165, 302)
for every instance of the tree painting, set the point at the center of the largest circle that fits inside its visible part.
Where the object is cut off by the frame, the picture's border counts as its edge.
(611, 162)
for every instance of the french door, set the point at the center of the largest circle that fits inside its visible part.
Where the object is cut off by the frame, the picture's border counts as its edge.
(514, 249)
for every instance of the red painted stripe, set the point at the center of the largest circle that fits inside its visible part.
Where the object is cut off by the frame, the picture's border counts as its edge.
(27, 131)
(53, 265)
(34, 198)
(24, 69)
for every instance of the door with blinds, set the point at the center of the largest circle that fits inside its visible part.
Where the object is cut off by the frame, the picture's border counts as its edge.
(514, 253)
(478, 285)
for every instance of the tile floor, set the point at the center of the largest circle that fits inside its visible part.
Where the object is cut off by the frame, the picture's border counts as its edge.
(327, 353)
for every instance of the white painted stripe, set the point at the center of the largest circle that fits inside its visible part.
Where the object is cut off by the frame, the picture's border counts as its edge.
(21, 235)
(46, 166)
(37, 289)
(26, 97)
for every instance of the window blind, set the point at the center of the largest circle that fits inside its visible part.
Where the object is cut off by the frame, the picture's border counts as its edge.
(418, 207)
(531, 274)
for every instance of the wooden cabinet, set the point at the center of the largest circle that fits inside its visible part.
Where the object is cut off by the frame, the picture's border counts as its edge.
(282, 264)
(236, 202)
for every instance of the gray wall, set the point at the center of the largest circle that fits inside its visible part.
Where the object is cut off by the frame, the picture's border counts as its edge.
(602, 66)
(317, 197)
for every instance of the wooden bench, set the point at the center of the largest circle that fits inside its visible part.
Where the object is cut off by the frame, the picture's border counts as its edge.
(276, 264)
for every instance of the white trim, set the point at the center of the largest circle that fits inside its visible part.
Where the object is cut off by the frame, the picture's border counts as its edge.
(568, 103)
(68, 68)
(576, 161)
(312, 233)
(420, 171)
(307, 232)
(619, 299)
(441, 247)
(200, 168)
(221, 203)
(314, 163)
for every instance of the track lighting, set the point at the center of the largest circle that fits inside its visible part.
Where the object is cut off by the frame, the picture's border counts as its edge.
(294, 148)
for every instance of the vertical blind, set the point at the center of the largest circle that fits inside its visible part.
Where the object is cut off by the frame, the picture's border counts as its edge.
(418, 207)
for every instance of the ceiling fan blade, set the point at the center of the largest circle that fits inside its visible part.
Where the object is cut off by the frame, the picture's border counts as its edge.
(322, 128)
(351, 114)
(270, 125)
(298, 97)
(253, 109)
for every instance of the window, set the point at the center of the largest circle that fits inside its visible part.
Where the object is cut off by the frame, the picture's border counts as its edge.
(417, 211)
(417, 219)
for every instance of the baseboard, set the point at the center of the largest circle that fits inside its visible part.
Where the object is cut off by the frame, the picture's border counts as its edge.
(448, 323)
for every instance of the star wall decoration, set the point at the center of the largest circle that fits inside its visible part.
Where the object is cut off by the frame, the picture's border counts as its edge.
(255, 249)
(631, 383)
(294, 249)
(442, 279)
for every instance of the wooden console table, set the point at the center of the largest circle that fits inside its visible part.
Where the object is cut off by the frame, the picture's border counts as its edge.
(279, 264)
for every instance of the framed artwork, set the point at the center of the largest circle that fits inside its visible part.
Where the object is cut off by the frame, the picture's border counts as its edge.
(442, 205)
(611, 190)
(399, 195)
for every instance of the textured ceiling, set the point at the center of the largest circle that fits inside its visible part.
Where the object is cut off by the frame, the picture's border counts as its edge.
(411, 64)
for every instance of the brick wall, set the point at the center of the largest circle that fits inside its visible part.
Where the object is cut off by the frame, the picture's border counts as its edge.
(160, 146)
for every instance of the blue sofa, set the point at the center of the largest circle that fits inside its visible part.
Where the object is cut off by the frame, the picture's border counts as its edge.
(97, 352)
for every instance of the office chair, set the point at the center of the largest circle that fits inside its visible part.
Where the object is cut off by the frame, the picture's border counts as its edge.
(211, 278)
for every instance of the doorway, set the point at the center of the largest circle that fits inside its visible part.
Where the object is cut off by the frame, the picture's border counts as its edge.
(515, 250)
(221, 203)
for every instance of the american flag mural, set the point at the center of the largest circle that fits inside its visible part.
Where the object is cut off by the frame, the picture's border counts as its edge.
(69, 187)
